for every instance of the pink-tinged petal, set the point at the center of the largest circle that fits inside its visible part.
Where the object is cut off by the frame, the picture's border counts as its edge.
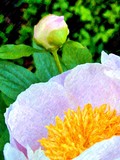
(12, 140)
(34, 109)
(88, 83)
(16, 144)
(11, 153)
(111, 60)
(104, 150)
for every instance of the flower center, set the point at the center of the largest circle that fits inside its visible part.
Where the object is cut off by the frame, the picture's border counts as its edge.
(79, 130)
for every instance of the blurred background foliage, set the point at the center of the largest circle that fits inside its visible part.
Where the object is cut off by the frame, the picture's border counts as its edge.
(95, 24)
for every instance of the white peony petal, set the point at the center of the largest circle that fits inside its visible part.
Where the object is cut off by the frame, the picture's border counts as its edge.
(33, 110)
(36, 155)
(89, 84)
(104, 150)
(111, 60)
(113, 74)
(60, 78)
(11, 153)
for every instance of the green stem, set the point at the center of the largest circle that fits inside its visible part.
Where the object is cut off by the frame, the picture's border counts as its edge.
(57, 61)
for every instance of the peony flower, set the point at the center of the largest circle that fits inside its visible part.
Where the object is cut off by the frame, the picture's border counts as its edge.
(87, 85)
(51, 32)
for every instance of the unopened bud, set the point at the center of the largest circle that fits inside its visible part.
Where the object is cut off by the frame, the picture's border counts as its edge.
(51, 32)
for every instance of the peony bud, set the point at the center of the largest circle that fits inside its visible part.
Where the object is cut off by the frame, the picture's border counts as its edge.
(51, 32)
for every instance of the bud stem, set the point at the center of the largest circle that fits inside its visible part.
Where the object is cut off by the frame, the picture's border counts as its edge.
(57, 61)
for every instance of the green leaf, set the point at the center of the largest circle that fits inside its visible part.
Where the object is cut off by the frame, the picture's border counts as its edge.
(4, 135)
(2, 123)
(73, 54)
(4, 139)
(6, 99)
(45, 66)
(14, 79)
(11, 51)
(1, 155)
(2, 104)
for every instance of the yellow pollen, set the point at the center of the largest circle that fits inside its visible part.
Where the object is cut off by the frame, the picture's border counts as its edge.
(79, 130)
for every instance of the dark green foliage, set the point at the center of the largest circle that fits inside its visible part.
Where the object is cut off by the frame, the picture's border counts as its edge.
(14, 79)
(4, 135)
(74, 54)
(45, 66)
(93, 23)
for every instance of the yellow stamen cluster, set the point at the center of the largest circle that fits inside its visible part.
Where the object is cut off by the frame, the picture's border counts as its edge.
(79, 130)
